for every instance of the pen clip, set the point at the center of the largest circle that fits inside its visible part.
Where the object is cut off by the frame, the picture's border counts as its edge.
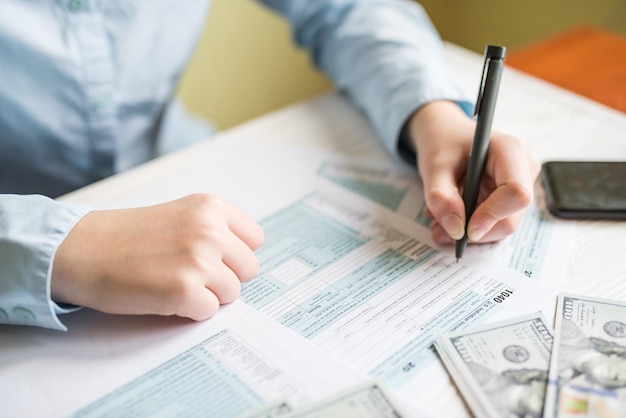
(492, 52)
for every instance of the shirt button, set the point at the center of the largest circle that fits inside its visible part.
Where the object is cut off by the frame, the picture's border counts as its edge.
(23, 315)
(100, 104)
(77, 5)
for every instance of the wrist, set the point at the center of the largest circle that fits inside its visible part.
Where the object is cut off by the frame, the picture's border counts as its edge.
(434, 118)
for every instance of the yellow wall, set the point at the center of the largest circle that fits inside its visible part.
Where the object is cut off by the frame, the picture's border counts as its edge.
(246, 63)
(518, 23)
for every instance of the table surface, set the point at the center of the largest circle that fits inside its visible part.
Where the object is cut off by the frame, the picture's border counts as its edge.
(555, 123)
(586, 60)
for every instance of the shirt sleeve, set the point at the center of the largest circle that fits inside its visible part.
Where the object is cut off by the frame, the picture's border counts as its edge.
(31, 229)
(385, 55)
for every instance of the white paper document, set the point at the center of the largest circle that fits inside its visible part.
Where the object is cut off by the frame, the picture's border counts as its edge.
(366, 400)
(239, 361)
(367, 287)
(351, 287)
(538, 249)
(359, 280)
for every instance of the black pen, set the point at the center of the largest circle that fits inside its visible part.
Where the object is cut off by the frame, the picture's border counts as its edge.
(484, 110)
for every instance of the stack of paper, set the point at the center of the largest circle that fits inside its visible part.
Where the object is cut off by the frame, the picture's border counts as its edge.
(349, 263)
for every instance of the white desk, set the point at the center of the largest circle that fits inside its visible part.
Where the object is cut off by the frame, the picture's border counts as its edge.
(555, 123)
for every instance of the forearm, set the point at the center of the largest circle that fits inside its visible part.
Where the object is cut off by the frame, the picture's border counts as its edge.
(385, 55)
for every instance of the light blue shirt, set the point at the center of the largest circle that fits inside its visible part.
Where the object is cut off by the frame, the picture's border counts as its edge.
(87, 90)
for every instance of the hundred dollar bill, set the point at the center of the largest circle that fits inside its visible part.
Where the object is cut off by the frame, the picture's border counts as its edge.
(501, 368)
(587, 376)
(369, 400)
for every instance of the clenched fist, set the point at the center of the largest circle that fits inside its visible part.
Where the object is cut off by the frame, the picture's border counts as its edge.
(185, 257)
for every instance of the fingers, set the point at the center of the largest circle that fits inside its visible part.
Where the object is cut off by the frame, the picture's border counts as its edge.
(513, 171)
(442, 137)
(227, 235)
(499, 231)
(443, 199)
(184, 257)
(202, 300)
(199, 287)
(502, 208)
(224, 255)
(245, 228)
(224, 240)
(506, 190)
(239, 258)
(446, 209)
(199, 304)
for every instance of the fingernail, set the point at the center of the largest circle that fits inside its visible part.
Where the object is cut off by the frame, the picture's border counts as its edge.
(475, 233)
(453, 225)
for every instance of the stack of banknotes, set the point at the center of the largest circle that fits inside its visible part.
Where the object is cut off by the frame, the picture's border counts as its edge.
(523, 367)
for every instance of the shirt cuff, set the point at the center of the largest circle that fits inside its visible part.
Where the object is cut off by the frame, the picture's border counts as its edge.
(31, 230)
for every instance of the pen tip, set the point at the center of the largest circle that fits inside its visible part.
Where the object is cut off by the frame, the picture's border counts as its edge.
(457, 259)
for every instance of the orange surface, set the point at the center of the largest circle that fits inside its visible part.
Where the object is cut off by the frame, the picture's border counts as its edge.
(586, 60)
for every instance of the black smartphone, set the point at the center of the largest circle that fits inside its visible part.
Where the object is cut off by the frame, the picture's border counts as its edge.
(585, 189)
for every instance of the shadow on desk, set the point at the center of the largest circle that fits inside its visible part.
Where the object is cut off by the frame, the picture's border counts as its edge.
(92, 332)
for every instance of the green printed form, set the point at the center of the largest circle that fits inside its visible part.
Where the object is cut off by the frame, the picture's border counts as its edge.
(368, 293)
(421, 217)
(192, 384)
(383, 193)
(530, 242)
(249, 365)
(401, 192)
(302, 241)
